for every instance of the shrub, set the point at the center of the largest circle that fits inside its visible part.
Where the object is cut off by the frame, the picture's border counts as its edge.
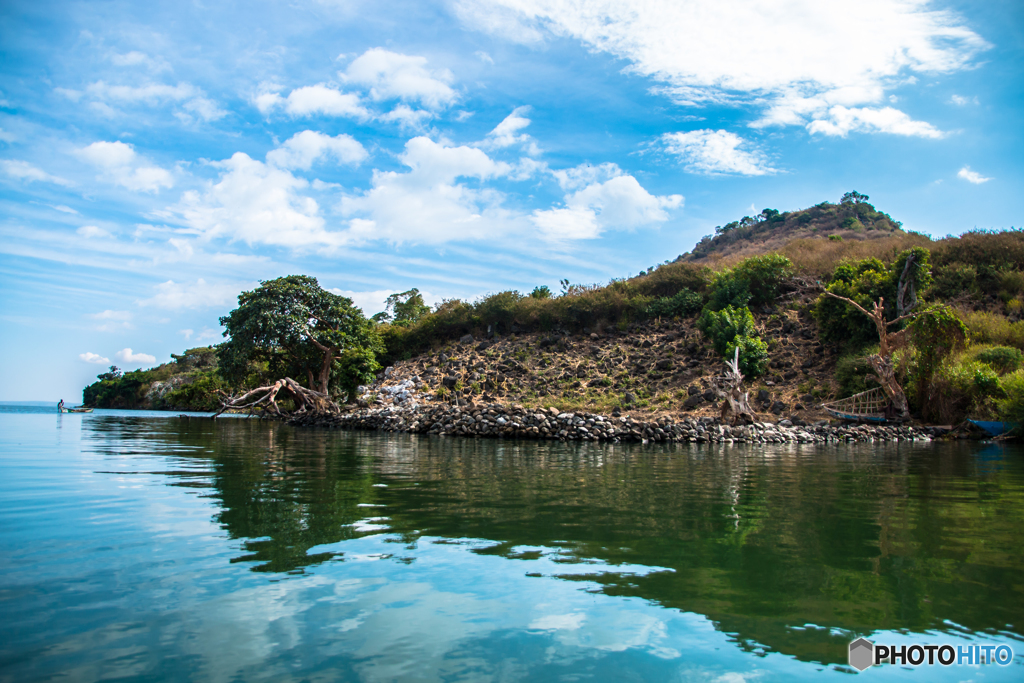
(954, 280)
(992, 328)
(684, 304)
(721, 327)
(1002, 359)
(936, 333)
(963, 388)
(753, 355)
(853, 373)
(1011, 407)
(764, 275)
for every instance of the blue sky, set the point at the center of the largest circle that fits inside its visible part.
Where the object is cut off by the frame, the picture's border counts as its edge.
(158, 158)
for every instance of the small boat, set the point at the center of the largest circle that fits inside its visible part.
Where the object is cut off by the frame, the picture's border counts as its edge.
(76, 410)
(994, 428)
(868, 406)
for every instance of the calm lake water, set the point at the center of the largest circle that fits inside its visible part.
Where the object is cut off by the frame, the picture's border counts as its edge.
(141, 546)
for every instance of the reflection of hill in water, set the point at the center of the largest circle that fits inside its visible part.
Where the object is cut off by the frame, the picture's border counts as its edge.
(763, 542)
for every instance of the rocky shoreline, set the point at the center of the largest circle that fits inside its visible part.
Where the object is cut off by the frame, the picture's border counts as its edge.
(517, 422)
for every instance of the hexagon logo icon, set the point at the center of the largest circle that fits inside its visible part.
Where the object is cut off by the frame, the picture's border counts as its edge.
(862, 654)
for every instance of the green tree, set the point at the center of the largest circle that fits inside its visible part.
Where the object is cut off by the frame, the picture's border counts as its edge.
(854, 198)
(541, 292)
(403, 309)
(296, 326)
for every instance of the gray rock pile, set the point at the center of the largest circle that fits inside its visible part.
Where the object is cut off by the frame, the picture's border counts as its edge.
(499, 421)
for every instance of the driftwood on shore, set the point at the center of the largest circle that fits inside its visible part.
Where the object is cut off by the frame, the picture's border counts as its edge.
(265, 399)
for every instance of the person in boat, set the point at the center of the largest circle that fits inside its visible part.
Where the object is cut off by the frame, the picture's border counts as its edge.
(60, 406)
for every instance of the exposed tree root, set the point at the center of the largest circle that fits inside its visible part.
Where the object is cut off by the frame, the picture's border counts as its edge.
(265, 399)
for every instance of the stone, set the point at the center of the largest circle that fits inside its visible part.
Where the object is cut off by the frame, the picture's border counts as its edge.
(466, 339)
(692, 402)
(778, 407)
(450, 381)
(664, 364)
(483, 346)
(692, 390)
(763, 396)
(709, 395)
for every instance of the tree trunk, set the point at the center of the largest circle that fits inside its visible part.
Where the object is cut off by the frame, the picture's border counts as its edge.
(887, 378)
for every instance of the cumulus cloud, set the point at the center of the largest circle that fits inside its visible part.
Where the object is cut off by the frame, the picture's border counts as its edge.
(199, 294)
(716, 152)
(259, 204)
(303, 149)
(426, 204)
(392, 75)
(90, 357)
(407, 117)
(126, 356)
(972, 177)
(22, 170)
(123, 166)
(680, 45)
(618, 202)
(313, 100)
(843, 120)
(960, 101)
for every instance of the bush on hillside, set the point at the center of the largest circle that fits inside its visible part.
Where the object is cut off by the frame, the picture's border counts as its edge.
(721, 327)
(1002, 359)
(753, 355)
(1011, 407)
(683, 304)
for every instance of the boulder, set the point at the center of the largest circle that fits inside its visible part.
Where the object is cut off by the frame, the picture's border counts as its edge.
(466, 339)
(692, 402)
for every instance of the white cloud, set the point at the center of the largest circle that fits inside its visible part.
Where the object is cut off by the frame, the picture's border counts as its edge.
(113, 321)
(585, 174)
(391, 75)
(7, 136)
(186, 333)
(312, 100)
(204, 108)
(200, 294)
(257, 203)
(132, 58)
(126, 355)
(90, 357)
(303, 149)
(961, 101)
(716, 152)
(843, 120)
(808, 49)
(119, 316)
(617, 203)
(207, 334)
(505, 134)
(66, 209)
(427, 205)
(22, 170)
(91, 231)
(192, 98)
(407, 117)
(123, 166)
(972, 177)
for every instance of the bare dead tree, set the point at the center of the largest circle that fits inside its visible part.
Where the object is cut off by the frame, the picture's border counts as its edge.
(265, 399)
(737, 402)
(888, 342)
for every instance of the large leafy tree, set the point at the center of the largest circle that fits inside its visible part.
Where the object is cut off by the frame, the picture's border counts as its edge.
(292, 326)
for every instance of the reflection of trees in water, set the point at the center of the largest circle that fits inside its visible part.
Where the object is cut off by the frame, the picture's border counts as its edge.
(761, 541)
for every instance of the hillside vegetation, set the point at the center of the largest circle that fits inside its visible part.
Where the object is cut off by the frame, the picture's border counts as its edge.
(654, 341)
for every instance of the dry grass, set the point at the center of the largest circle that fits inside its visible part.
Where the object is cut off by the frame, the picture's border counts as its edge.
(819, 256)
